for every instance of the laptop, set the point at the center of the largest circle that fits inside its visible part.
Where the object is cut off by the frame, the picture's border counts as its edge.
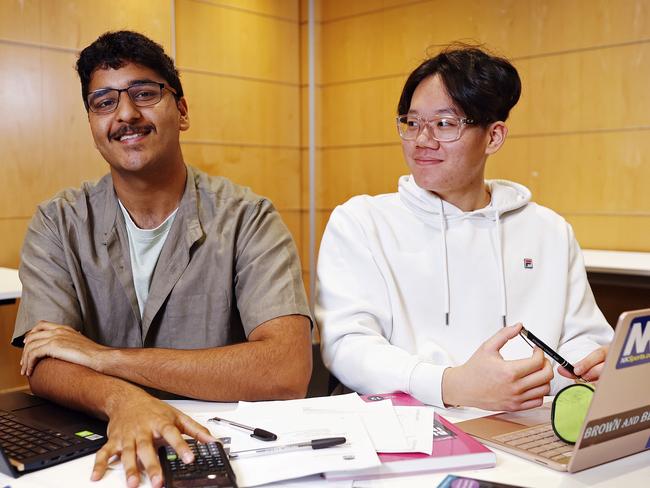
(36, 434)
(617, 423)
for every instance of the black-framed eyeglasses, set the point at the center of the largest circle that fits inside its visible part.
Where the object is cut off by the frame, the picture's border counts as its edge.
(145, 94)
(443, 128)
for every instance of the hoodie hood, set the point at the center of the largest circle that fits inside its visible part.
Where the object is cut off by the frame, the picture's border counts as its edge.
(506, 196)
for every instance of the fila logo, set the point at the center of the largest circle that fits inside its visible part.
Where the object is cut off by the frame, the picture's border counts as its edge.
(528, 263)
(636, 349)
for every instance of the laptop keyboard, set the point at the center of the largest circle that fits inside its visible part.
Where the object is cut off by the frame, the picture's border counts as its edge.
(20, 441)
(539, 440)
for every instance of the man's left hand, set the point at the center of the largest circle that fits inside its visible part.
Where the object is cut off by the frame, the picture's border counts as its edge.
(590, 367)
(60, 342)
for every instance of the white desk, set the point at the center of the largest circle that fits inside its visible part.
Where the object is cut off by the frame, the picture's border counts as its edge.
(10, 287)
(633, 471)
(617, 262)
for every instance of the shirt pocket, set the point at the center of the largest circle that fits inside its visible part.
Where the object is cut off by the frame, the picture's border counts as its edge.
(197, 321)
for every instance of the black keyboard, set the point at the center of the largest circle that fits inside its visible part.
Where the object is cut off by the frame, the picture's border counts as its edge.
(21, 441)
(211, 467)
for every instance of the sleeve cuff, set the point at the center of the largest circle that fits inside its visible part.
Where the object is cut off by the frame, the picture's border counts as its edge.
(425, 383)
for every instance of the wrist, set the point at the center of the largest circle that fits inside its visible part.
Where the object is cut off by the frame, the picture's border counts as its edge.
(104, 359)
(451, 393)
(122, 394)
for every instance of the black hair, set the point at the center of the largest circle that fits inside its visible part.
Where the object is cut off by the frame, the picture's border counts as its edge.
(485, 87)
(116, 49)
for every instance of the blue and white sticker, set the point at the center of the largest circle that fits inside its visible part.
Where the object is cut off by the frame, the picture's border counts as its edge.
(636, 348)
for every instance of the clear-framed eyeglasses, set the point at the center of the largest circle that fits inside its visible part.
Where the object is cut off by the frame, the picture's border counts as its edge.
(443, 128)
(106, 100)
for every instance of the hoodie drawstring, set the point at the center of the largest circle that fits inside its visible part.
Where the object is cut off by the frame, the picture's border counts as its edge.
(502, 275)
(445, 285)
(505, 197)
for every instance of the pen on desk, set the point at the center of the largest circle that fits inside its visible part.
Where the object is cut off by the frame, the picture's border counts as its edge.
(526, 334)
(257, 433)
(313, 444)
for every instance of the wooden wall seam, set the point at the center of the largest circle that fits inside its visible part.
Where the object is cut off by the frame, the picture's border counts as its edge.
(222, 5)
(37, 45)
(236, 77)
(212, 142)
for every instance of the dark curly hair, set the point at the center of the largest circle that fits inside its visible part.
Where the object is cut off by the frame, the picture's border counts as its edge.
(484, 86)
(116, 49)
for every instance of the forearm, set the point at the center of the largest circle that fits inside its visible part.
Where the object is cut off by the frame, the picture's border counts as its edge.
(369, 364)
(79, 387)
(255, 370)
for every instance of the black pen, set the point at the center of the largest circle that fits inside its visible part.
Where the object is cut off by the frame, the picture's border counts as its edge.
(257, 433)
(526, 334)
(314, 444)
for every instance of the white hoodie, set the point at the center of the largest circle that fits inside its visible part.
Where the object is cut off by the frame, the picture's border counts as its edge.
(409, 285)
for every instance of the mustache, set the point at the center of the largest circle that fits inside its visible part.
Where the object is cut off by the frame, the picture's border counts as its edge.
(131, 129)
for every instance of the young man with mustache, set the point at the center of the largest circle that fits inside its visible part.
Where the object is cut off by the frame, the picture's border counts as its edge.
(158, 277)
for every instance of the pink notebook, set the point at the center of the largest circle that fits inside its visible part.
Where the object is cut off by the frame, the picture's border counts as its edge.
(453, 449)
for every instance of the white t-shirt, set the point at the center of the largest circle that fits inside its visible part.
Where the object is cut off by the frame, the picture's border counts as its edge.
(145, 246)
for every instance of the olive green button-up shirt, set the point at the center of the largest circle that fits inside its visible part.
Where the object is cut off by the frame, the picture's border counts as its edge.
(227, 265)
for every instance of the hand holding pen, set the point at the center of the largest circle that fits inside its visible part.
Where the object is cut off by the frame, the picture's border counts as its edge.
(529, 336)
(490, 382)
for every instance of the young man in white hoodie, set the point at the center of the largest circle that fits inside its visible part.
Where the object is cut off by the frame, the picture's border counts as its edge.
(425, 290)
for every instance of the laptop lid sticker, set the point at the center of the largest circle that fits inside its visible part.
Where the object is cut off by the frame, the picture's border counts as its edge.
(636, 348)
(613, 426)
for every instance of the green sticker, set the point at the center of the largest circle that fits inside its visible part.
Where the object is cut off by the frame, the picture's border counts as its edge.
(84, 433)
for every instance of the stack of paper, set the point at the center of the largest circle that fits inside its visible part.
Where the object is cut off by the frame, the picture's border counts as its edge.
(369, 427)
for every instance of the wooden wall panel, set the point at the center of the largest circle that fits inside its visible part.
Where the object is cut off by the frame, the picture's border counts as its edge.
(10, 358)
(395, 40)
(20, 96)
(616, 232)
(242, 112)
(78, 23)
(514, 162)
(360, 113)
(285, 10)
(587, 90)
(236, 42)
(20, 20)
(239, 63)
(356, 171)
(13, 232)
(46, 143)
(336, 11)
(578, 135)
(560, 25)
(274, 173)
(602, 173)
(75, 24)
(322, 216)
(513, 27)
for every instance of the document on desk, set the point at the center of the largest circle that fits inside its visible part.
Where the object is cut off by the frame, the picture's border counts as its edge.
(291, 426)
(387, 431)
(417, 423)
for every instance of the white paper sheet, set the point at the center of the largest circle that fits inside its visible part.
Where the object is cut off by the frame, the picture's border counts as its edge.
(293, 426)
(379, 418)
(417, 423)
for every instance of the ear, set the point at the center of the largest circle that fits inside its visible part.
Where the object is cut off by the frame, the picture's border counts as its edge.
(184, 117)
(497, 132)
